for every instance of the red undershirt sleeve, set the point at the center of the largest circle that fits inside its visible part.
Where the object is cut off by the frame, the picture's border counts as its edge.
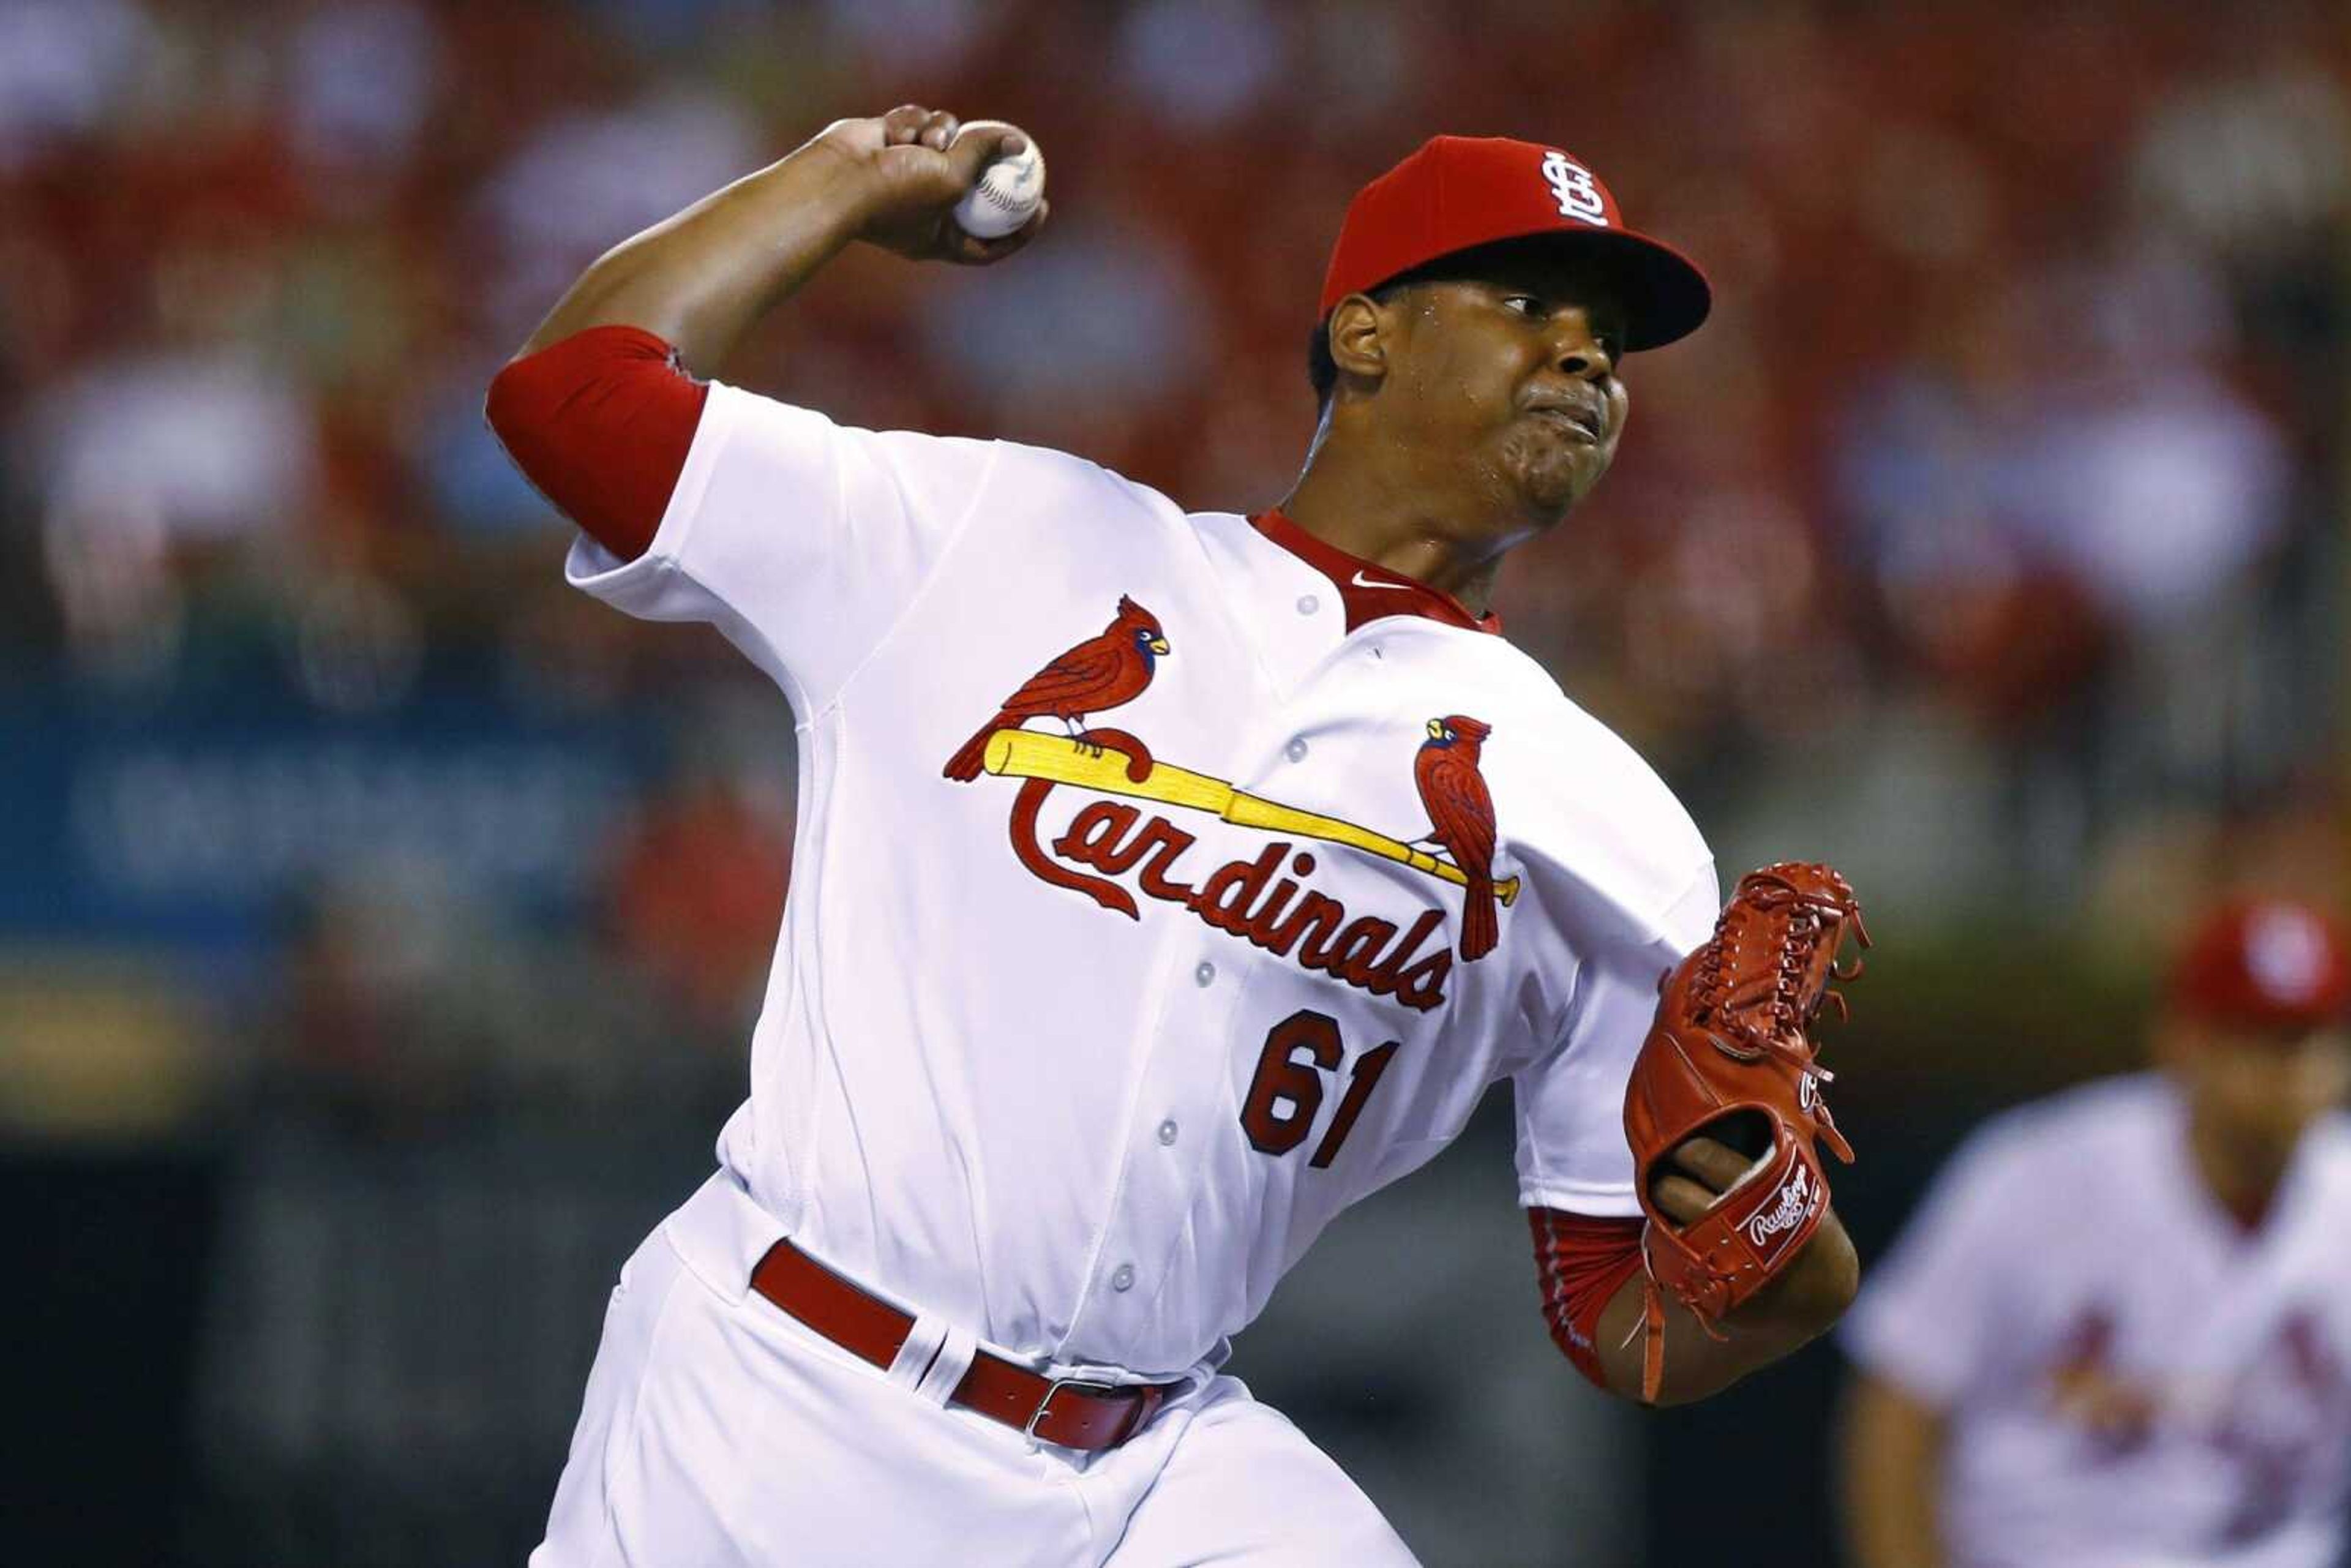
(1582, 1260)
(602, 422)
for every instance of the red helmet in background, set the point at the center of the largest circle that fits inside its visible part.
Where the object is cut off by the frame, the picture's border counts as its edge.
(2273, 963)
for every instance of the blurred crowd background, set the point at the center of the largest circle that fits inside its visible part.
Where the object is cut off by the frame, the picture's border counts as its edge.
(380, 922)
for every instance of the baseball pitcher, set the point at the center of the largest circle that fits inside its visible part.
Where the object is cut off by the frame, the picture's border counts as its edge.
(1165, 882)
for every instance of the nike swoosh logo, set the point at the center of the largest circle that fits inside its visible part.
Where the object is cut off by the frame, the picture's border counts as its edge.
(1362, 581)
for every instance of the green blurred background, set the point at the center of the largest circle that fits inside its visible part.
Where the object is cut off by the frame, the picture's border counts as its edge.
(380, 922)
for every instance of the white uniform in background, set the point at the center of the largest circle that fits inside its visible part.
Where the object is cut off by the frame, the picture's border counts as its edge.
(1077, 1070)
(2129, 1378)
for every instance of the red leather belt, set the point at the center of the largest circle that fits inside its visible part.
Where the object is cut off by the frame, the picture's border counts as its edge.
(1071, 1413)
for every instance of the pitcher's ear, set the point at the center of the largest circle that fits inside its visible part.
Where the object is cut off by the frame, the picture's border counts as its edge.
(1359, 331)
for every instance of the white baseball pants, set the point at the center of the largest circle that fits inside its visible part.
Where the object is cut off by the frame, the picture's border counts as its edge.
(718, 1430)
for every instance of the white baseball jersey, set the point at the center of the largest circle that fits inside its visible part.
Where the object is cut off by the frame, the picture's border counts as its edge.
(2130, 1376)
(1080, 1043)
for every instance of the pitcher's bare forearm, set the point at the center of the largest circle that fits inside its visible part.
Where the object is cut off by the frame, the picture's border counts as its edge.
(700, 279)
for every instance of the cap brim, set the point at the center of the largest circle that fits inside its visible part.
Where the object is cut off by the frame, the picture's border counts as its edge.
(1666, 297)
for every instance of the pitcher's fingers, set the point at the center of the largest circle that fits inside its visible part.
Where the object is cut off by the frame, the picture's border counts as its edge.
(1717, 1164)
(903, 124)
(1681, 1198)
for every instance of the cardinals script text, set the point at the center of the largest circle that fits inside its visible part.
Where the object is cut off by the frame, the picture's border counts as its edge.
(1247, 899)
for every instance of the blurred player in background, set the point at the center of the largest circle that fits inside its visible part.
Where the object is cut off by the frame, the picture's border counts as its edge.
(2118, 1332)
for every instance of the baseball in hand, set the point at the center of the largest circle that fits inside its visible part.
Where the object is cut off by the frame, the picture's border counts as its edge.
(1009, 189)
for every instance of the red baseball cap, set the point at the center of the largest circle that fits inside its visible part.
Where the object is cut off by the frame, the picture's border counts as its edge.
(2269, 962)
(1457, 192)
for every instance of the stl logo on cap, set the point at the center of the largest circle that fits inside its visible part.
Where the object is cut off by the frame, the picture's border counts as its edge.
(1570, 182)
(2285, 953)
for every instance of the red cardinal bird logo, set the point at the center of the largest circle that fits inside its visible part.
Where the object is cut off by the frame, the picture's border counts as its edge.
(1461, 819)
(1098, 675)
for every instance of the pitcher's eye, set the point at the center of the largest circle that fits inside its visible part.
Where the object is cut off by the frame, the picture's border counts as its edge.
(1524, 304)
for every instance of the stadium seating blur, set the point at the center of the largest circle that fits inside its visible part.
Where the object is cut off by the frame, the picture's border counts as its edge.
(396, 917)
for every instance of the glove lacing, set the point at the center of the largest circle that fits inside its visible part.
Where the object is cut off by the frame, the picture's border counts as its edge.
(1778, 1007)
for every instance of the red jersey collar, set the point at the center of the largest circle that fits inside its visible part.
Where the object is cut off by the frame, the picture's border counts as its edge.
(1369, 592)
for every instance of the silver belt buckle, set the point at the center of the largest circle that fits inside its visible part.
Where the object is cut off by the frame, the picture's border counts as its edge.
(1091, 1385)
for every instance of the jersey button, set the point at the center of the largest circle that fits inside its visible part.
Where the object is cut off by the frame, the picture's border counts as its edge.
(1307, 604)
(1122, 1277)
(1204, 974)
(1168, 1131)
(1295, 751)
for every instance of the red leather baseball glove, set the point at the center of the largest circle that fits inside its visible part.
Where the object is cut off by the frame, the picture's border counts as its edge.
(1730, 1056)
